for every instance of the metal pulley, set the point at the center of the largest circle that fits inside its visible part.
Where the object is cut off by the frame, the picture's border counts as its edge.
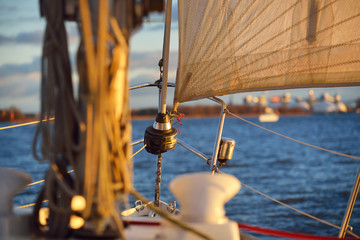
(160, 137)
(226, 151)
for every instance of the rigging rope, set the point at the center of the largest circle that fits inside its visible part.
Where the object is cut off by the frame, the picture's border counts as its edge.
(292, 139)
(57, 143)
(108, 151)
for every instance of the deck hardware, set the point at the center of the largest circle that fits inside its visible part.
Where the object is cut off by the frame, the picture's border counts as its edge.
(138, 205)
(172, 206)
(152, 214)
(158, 181)
(213, 167)
(160, 137)
(226, 151)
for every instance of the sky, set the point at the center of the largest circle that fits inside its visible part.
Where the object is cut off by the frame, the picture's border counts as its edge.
(21, 32)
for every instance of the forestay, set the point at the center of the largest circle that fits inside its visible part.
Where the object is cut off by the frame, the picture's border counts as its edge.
(236, 46)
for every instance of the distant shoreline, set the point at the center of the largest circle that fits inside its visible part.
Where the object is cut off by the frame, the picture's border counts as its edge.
(190, 112)
(152, 117)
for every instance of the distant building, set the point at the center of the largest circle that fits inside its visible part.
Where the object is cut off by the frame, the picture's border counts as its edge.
(263, 100)
(324, 107)
(329, 104)
(255, 100)
(286, 98)
(275, 99)
(312, 98)
(11, 114)
(248, 100)
(303, 105)
(326, 97)
(341, 107)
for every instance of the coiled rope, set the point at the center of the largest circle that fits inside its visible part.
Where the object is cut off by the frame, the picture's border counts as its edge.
(60, 142)
(107, 116)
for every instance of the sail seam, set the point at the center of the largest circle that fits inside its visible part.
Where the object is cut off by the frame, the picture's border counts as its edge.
(279, 49)
(294, 58)
(255, 35)
(263, 44)
(221, 35)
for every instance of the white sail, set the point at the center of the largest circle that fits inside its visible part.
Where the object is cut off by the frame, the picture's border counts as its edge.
(235, 46)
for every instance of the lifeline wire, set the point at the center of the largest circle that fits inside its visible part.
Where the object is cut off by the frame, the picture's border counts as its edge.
(297, 210)
(293, 139)
(294, 209)
(24, 124)
(138, 151)
(30, 205)
(32, 184)
(41, 181)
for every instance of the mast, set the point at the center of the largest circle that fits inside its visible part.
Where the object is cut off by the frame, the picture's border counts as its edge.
(165, 57)
(161, 136)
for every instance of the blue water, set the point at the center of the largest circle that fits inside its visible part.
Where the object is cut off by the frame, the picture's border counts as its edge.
(313, 181)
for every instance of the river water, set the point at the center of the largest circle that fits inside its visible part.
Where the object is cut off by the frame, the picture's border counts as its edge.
(316, 182)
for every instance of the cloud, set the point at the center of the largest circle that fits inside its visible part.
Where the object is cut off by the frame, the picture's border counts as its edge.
(20, 85)
(155, 27)
(150, 59)
(5, 39)
(147, 96)
(145, 59)
(21, 90)
(36, 37)
(143, 97)
(72, 32)
(143, 78)
(25, 68)
(6, 9)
